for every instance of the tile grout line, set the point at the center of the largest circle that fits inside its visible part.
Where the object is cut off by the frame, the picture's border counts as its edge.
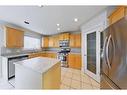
(81, 82)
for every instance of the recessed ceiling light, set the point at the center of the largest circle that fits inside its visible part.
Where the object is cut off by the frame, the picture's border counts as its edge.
(58, 29)
(58, 24)
(26, 22)
(76, 19)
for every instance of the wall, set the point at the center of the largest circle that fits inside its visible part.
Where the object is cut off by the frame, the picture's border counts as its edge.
(98, 20)
(1, 43)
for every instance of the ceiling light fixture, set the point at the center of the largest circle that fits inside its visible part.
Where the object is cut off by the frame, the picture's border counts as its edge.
(26, 22)
(58, 29)
(76, 19)
(58, 24)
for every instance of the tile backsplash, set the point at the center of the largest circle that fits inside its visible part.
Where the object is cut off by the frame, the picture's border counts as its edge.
(5, 50)
(9, 51)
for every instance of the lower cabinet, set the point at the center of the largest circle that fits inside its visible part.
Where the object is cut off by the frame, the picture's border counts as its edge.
(36, 55)
(50, 55)
(74, 61)
(52, 78)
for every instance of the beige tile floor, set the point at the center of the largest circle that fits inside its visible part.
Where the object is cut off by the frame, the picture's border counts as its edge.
(75, 79)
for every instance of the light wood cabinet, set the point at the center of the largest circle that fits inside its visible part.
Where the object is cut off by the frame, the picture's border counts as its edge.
(14, 38)
(78, 40)
(78, 61)
(52, 78)
(75, 40)
(64, 36)
(60, 37)
(53, 41)
(33, 55)
(119, 13)
(74, 61)
(56, 41)
(71, 60)
(50, 55)
(50, 42)
(72, 40)
(45, 42)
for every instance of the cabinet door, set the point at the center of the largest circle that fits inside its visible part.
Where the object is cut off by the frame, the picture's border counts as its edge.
(56, 41)
(71, 60)
(78, 62)
(19, 36)
(50, 42)
(10, 37)
(117, 15)
(45, 42)
(72, 40)
(37, 55)
(14, 38)
(74, 61)
(78, 40)
(51, 55)
(66, 36)
(60, 36)
(54, 55)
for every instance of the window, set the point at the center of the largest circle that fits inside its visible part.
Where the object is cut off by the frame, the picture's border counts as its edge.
(32, 43)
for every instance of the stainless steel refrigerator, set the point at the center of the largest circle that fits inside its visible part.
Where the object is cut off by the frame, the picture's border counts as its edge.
(114, 56)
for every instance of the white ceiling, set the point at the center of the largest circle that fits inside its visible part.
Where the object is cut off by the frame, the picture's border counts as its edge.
(44, 19)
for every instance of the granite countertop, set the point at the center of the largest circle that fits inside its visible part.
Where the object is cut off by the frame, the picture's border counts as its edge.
(18, 54)
(15, 55)
(38, 64)
(28, 53)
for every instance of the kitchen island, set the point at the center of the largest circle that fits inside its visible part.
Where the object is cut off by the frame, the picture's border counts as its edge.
(38, 73)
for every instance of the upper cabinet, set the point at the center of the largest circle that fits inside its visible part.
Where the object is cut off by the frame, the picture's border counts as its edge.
(64, 36)
(56, 41)
(14, 38)
(117, 14)
(75, 40)
(53, 41)
(45, 42)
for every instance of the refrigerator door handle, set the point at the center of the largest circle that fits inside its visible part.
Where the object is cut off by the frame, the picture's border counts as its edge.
(107, 58)
(103, 52)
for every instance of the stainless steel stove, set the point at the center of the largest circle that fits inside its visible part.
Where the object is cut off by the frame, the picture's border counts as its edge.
(63, 53)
